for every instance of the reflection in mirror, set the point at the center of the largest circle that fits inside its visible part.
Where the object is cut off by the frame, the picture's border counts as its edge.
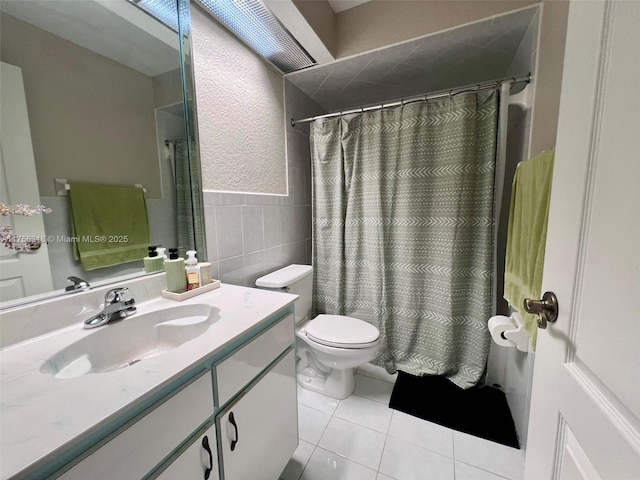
(92, 93)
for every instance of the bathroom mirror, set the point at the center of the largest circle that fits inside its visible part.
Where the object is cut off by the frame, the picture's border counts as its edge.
(102, 81)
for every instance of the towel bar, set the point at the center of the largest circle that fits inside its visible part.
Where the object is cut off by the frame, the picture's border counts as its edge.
(62, 187)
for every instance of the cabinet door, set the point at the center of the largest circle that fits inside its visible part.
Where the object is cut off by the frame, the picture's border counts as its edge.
(141, 447)
(198, 461)
(259, 431)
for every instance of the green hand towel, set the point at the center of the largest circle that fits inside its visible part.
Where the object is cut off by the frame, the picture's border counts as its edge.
(110, 223)
(527, 235)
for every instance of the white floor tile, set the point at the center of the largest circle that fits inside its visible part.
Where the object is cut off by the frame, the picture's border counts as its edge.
(425, 434)
(365, 412)
(298, 461)
(317, 400)
(360, 444)
(311, 423)
(325, 465)
(467, 472)
(377, 390)
(383, 477)
(493, 457)
(409, 462)
(378, 373)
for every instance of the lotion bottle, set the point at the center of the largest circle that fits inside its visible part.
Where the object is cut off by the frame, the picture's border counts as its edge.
(193, 270)
(176, 278)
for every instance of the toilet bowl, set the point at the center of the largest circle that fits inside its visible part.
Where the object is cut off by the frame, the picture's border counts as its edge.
(327, 357)
(329, 347)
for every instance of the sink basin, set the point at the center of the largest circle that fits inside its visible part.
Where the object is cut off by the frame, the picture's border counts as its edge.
(137, 338)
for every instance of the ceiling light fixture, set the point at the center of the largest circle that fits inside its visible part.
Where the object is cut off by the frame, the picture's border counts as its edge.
(255, 25)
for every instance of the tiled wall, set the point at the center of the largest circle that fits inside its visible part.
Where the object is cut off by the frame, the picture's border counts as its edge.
(250, 235)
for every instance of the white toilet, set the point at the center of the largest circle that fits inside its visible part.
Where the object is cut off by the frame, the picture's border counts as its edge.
(328, 348)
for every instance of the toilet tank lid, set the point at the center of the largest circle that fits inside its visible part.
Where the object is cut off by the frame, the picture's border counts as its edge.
(285, 276)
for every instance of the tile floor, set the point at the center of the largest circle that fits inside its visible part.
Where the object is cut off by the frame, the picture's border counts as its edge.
(361, 438)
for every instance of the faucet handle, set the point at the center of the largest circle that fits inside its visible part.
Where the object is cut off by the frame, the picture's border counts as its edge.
(115, 295)
(78, 285)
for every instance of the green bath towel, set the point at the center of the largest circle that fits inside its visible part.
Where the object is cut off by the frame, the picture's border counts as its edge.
(110, 223)
(527, 235)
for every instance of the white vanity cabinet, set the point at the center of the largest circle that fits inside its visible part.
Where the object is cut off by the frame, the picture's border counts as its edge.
(138, 448)
(236, 420)
(198, 461)
(259, 428)
(256, 424)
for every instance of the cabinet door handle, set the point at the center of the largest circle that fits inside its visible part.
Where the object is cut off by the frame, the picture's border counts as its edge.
(205, 445)
(232, 421)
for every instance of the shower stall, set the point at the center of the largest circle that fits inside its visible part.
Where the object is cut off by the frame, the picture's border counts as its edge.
(499, 48)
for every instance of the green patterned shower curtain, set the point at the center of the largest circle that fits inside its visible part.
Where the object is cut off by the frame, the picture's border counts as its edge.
(403, 213)
(189, 204)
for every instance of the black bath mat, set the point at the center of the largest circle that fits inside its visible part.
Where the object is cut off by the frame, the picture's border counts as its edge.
(479, 411)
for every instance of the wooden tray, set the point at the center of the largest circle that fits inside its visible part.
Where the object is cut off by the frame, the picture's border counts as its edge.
(179, 297)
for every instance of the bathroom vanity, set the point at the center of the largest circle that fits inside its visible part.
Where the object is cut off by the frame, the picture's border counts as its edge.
(212, 396)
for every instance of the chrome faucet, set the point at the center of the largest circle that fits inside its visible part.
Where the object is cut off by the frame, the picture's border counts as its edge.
(79, 285)
(115, 308)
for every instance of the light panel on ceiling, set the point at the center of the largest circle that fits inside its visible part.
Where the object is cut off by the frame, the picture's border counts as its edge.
(254, 24)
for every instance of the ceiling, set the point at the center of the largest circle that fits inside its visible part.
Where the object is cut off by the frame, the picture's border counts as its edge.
(470, 54)
(342, 5)
(114, 29)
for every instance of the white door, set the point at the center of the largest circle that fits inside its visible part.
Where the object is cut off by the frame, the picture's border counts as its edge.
(21, 273)
(585, 412)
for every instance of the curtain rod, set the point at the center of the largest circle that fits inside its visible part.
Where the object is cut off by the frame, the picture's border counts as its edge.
(419, 98)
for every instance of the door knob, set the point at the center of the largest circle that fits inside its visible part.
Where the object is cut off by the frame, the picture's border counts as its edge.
(546, 309)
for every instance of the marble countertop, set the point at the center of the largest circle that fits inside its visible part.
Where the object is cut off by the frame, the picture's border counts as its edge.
(41, 416)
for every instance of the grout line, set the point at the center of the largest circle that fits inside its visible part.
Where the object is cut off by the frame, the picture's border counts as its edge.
(348, 459)
(376, 378)
(307, 462)
(386, 437)
(480, 468)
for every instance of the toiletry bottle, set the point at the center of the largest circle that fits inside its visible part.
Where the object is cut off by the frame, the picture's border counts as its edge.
(152, 262)
(205, 273)
(193, 270)
(176, 278)
(162, 253)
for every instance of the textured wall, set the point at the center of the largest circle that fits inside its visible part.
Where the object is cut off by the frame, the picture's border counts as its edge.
(91, 118)
(240, 108)
(251, 235)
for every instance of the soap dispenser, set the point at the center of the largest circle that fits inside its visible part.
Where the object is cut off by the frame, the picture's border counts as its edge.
(193, 270)
(176, 276)
(152, 262)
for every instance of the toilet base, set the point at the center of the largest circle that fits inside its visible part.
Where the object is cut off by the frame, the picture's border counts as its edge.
(337, 384)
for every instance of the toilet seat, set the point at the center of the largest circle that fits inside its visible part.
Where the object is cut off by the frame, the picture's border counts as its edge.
(340, 331)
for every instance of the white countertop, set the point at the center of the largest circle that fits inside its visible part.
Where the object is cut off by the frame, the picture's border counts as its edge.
(41, 415)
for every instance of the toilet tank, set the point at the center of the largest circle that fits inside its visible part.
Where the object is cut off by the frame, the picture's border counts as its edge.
(295, 279)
